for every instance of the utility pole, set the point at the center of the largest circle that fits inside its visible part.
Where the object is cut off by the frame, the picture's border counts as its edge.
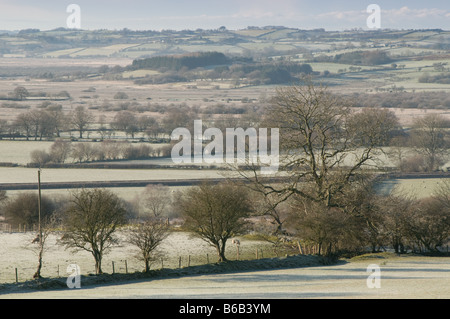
(37, 275)
(39, 206)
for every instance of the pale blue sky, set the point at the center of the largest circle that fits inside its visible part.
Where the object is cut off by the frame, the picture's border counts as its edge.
(234, 14)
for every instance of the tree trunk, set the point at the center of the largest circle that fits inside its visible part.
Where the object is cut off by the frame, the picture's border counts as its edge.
(98, 262)
(37, 274)
(221, 252)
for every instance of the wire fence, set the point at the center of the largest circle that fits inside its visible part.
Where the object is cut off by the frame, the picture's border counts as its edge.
(19, 265)
(17, 274)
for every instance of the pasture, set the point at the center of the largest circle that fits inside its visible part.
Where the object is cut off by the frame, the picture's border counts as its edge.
(18, 252)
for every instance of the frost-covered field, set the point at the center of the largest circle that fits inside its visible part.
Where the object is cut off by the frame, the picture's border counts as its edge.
(17, 251)
(48, 175)
(409, 277)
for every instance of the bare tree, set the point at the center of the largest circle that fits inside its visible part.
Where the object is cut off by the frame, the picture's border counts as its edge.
(430, 139)
(91, 221)
(80, 119)
(24, 124)
(156, 199)
(40, 157)
(46, 228)
(126, 121)
(215, 213)
(398, 151)
(3, 195)
(83, 152)
(60, 150)
(20, 93)
(323, 144)
(23, 209)
(57, 117)
(429, 224)
(103, 129)
(147, 236)
(396, 211)
(266, 205)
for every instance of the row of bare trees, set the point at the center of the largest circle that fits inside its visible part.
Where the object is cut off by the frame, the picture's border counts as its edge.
(370, 221)
(90, 218)
(50, 122)
(63, 151)
(47, 123)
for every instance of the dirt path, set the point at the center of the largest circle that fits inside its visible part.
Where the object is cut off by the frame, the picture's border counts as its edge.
(404, 277)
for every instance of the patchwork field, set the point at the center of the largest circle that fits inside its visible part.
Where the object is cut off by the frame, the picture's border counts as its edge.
(73, 65)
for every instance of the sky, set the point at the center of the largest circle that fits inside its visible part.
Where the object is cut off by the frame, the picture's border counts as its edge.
(233, 14)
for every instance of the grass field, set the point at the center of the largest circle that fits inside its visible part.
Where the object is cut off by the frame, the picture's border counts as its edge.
(18, 252)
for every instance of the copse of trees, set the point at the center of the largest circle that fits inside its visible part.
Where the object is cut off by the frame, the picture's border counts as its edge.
(370, 58)
(274, 73)
(377, 222)
(192, 66)
(443, 78)
(177, 62)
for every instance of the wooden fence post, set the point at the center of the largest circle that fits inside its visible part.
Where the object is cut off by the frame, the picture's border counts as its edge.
(300, 247)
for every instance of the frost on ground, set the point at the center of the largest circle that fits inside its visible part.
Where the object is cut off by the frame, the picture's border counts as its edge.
(179, 249)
